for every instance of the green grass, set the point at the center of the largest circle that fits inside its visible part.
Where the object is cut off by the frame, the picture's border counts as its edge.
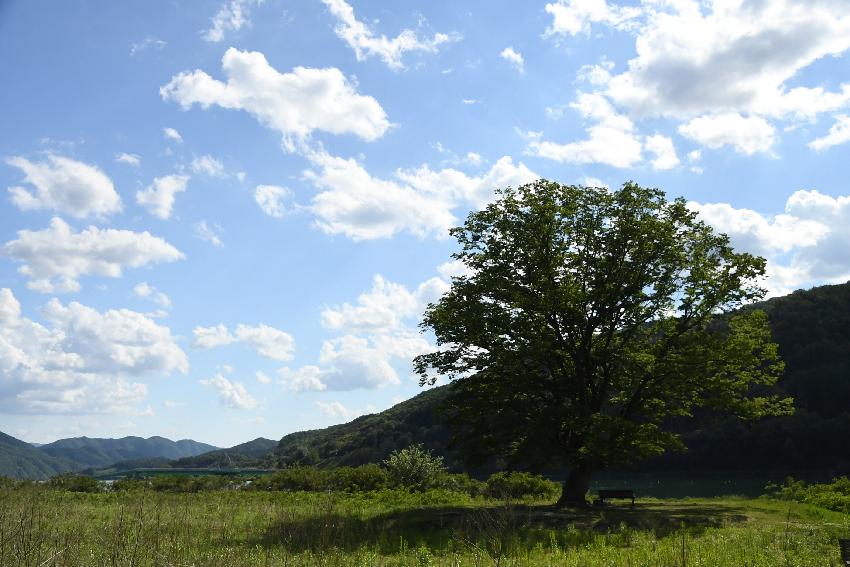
(42, 527)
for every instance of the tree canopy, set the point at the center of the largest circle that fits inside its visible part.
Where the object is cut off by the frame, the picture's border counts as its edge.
(587, 319)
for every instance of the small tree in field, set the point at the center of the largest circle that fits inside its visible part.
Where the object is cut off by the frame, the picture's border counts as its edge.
(586, 320)
(413, 467)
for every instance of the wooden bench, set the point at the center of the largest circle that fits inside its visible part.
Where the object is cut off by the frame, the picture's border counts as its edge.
(844, 546)
(622, 493)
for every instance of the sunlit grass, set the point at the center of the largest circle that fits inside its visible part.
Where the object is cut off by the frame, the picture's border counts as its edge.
(41, 527)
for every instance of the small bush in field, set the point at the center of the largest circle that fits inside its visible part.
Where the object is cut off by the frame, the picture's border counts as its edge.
(75, 483)
(414, 468)
(365, 478)
(518, 485)
(461, 482)
(832, 496)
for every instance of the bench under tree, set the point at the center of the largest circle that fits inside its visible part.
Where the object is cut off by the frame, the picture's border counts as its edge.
(614, 493)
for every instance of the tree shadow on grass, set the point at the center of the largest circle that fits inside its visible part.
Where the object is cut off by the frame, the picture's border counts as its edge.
(494, 529)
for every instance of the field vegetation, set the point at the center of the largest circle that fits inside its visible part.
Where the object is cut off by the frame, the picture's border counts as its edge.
(213, 523)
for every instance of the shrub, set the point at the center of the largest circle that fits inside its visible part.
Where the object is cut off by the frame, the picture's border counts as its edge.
(365, 478)
(75, 483)
(461, 482)
(832, 496)
(518, 485)
(414, 468)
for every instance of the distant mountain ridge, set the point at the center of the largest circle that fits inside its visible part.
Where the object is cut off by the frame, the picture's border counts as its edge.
(89, 452)
(21, 460)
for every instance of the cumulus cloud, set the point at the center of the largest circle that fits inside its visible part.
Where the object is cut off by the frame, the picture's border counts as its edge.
(732, 57)
(84, 361)
(130, 159)
(64, 185)
(268, 341)
(572, 17)
(270, 199)
(293, 103)
(612, 139)
(839, 133)
(208, 165)
(231, 395)
(746, 135)
(172, 134)
(337, 411)
(366, 43)
(233, 15)
(211, 337)
(148, 291)
(664, 151)
(420, 201)
(514, 58)
(378, 337)
(158, 197)
(805, 245)
(56, 257)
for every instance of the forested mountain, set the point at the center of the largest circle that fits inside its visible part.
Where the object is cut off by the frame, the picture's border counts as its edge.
(812, 329)
(21, 460)
(248, 454)
(85, 452)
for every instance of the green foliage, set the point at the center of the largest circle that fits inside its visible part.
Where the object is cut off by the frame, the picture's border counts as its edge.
(520, 485)
(75, 483)
(415, 468)
(832, 496)
(87, 452)
(21, 460)
(365, 478)
(588, 319)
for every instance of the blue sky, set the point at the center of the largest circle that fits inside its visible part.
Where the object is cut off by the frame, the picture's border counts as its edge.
(221, 220)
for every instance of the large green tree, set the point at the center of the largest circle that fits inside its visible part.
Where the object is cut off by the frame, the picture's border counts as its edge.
(587, 320)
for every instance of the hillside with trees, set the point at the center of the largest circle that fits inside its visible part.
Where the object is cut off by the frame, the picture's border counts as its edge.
(85, 452)
(21, 460)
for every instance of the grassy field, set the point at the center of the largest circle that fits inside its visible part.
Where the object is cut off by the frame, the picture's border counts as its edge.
(41, 527)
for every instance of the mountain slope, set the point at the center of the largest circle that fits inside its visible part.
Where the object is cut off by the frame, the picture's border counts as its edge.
(85, 452)
(812, 329)
(22, 460)
(248, 454)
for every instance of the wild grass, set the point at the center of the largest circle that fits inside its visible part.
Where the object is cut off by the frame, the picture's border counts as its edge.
(42, 526)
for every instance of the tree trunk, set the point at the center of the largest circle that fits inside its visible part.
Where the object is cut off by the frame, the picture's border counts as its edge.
(575, 488)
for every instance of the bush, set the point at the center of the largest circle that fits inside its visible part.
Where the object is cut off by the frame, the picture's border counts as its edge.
(832, 496)
(75, 483)
(461, 482)
(519, 485)
(414, 468)
(365, 478)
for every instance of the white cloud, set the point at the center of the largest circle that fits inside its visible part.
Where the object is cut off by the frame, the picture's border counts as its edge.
(746, 135)
(384, 307)
(231, 395)
(611, 138)
(208, 233)
(208, 165)
(576, 16)
(83, 362)
(470, 101)
(211, 337)
(337, 411)
(722, 57)
(293, 103)
(232, 16)
(665, 153)
(148, 291)
(65, 185)
(805, 245)
(150, 42)
(839, 133)
(270, 199)
(130, 159)
(172, 134)
(56, 257)
(269, 342)
(262, 377)
(158, 198)
(593, 182)
(366, 44)
(362, 207)
(511, 56)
